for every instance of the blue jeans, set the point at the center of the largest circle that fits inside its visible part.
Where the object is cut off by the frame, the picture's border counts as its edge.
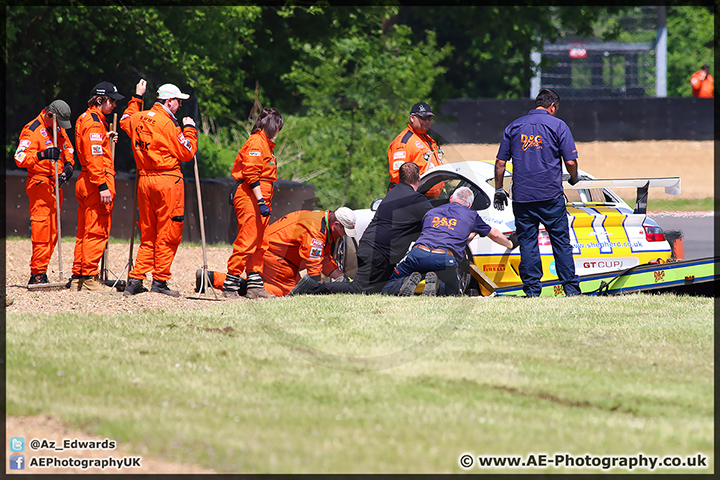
(444, 264)
(553, 215)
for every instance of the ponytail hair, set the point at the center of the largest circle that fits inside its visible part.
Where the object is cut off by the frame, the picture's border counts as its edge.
(270, 121)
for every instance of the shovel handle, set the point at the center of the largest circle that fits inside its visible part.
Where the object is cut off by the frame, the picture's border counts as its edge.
(57, 202)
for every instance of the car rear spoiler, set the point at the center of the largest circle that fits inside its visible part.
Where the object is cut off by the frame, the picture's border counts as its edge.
(671, 184)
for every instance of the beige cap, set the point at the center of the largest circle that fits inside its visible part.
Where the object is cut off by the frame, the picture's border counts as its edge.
(169, 90)
(347, 217)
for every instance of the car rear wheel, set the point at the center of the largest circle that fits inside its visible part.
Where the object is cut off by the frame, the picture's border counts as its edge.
(345, 255)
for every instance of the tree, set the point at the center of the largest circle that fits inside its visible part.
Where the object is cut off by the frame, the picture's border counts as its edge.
(492, 44)
(691, 43)
(356, 91)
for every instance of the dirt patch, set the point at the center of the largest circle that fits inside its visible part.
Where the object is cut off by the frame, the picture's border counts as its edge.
(693, 162)
(187, 261)
(51, 428)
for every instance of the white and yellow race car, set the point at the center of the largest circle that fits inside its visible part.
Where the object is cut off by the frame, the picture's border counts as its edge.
(606, 233)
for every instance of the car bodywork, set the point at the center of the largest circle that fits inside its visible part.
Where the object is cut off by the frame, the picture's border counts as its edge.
(605, 232)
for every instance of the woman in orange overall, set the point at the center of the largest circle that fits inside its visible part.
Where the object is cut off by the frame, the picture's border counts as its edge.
(37, 154)
(95, 187)
(255, 171)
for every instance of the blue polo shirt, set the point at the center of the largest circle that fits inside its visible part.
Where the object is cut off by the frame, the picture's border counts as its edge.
(537, 144)
(449, 226)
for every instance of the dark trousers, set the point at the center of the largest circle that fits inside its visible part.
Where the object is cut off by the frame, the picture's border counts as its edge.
(553, 215)
(417, 260)
(374, 270)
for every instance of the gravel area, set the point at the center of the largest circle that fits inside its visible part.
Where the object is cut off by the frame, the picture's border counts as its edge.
(187, 261)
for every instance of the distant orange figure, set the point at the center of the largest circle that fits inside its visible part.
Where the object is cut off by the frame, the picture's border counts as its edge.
(702, 83)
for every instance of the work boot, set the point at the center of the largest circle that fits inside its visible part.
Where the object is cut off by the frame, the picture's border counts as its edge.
(162, 287)
(199, 280)
(255, 287)
(232, 294)
(37, 278)
(431, 284)
(134, 286)
(257, 292)
(92, 284)
(74, 283)
(409, 284)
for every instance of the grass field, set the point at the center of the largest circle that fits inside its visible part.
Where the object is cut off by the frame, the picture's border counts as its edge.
(360, 384)
(679, 205)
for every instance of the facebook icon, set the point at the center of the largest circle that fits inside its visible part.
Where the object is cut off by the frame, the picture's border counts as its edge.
(17, 462)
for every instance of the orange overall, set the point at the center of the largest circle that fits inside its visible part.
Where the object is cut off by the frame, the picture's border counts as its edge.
(411, 146)
(159, 145)
(254, 165)
(702, 88)
(40, 187)
(98, 174)
(299, 240)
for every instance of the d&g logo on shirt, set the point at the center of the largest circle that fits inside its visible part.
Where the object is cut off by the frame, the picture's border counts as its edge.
(531, 141)
(438, 222)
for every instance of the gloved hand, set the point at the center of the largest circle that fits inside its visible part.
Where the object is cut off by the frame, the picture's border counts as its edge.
(66, 174)
(500, 199)
(575, 180)
(264, 209)
(514, 240)
(52, 153)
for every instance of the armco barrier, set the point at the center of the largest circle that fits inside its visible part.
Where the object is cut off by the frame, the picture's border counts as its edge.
(220, 220)
(603, 120)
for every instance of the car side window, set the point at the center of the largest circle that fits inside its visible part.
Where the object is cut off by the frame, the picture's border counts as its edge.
(592, 195)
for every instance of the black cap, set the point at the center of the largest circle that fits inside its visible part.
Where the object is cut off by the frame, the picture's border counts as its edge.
(107, 89)
(705, 67)
(421, 108)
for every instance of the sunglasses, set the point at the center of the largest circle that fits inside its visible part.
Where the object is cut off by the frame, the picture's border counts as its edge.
(424, 117)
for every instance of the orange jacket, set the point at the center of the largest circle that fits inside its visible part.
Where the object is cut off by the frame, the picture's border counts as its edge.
(302, 238)
(702, 88)
(158, 141)
(93, 145)
(411, 146)
(36, 137)
(256, 161)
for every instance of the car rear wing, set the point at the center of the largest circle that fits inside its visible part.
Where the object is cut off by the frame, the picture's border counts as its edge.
(671, 184)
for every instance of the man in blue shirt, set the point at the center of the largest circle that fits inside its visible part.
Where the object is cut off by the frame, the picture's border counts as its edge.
(445, 233)
(537, 144)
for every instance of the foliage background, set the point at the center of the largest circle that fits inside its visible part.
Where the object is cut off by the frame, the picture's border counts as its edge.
(343, 77)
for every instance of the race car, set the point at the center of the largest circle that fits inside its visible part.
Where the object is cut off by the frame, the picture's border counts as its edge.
(605, 232)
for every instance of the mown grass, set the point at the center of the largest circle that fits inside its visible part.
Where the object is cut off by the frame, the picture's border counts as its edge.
(347, 384)
(678, 205)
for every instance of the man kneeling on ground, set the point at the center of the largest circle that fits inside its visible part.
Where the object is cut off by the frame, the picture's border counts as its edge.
(301, 240)
(445, 233)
